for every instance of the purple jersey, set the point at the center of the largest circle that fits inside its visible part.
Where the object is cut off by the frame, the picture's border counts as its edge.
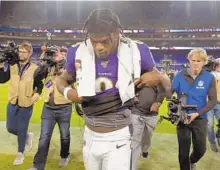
(107, 71)
(70, 63)
(107, 75)
(147, 60)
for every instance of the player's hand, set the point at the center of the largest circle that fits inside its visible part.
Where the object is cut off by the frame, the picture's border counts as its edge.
(136, 98)
(192, 116)
(155, 107)
(35, 97)
(150, 79)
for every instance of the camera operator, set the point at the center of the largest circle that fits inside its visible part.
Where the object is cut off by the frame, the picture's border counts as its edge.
(144, 119)
(56, 109)
(215, 112)
(200, 88)
(64, 52)
(24, 91)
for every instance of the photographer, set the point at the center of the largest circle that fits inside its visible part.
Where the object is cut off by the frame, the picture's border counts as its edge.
(24, 91)
(200, 88)
(56, 109)
(63, 52)
(215, 112)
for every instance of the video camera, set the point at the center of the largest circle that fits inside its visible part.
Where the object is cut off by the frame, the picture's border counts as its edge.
(210, 66)
(9, 53)
(49, 55)
(177, 110)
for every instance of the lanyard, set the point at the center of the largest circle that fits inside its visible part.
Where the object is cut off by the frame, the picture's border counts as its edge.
(22, 70)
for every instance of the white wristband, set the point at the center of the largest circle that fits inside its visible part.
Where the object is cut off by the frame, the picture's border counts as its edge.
(66, 91)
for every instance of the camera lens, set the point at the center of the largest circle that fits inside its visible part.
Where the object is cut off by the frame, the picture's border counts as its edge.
(172, 106)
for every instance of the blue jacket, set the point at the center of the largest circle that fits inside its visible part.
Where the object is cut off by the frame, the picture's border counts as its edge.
(197, 92)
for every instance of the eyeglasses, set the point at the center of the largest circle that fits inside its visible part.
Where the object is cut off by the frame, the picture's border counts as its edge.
(24, 52)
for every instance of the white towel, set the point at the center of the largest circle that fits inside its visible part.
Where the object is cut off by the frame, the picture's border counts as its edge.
(85, 75)
(128, 69)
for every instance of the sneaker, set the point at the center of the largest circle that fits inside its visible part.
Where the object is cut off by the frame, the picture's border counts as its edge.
(145, 155)
(214, 147)
(193, 167)
(64, 162)
(29, 141)
(33, 168)
(19, 159)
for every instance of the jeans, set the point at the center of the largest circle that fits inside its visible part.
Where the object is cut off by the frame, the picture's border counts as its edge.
(17, 123)
(215, 112)
(49, 118)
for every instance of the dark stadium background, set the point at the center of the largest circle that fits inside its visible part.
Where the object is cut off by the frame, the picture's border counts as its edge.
(171, 29)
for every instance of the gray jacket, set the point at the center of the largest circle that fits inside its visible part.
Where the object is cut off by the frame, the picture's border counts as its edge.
(147, 96)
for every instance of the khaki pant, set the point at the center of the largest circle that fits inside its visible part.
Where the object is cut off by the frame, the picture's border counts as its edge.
(143, 127)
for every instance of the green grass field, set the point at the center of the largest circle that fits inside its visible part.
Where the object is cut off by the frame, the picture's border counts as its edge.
(165, 127)
(163, 153)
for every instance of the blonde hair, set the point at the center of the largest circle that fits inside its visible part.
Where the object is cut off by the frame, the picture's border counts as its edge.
(199, 51)
(27, 46)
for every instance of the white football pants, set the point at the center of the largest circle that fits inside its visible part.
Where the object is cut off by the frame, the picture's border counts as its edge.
(107, 151)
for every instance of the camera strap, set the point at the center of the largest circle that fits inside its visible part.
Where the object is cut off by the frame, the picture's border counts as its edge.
(6, 65)
(22, 70)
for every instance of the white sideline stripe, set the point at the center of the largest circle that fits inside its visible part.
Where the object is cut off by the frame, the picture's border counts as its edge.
(3, 85)
(3, 102)
(81, 128)
(8, 153)
(15, 153)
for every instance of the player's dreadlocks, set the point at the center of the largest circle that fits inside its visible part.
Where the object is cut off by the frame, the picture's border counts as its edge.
(102, 21)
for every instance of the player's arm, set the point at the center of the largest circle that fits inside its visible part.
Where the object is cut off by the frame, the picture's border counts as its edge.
(64, 82)
(152, 78)
(150, 75)
(68, 77)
